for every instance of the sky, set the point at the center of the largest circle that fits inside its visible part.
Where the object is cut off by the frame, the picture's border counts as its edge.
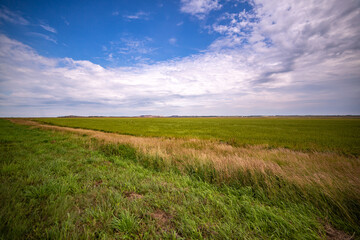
(179, 57)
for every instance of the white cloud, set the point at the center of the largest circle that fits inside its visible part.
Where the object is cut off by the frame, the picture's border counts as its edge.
(138, 15)
(12, 17)
(172, 41)
(199, 8)
(65, 21)
(48, 28)
(135, 50)
(130, 46)
(294, 58)
(44, 36)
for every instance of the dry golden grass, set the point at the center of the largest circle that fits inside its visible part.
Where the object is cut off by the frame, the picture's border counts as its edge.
(329, 171)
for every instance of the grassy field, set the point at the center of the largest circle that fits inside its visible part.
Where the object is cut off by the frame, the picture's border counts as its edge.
(74, 183)
(307, 134)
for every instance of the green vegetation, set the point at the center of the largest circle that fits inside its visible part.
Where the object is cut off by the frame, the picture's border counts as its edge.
(61, 185)
(339, 135)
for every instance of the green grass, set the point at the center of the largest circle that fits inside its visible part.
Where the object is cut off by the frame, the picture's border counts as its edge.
(57, 185)
(339, 135)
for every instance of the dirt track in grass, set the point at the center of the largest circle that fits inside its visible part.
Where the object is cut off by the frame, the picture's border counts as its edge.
(330, 171)
(326, 179)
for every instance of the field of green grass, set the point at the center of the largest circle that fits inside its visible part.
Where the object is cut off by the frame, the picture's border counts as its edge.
(340, 135)
(62, 184)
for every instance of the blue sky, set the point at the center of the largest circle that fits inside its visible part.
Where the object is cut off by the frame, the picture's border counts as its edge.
(185, 57)
(129, 31)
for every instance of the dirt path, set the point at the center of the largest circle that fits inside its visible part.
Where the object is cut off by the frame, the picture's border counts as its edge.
(330, 171)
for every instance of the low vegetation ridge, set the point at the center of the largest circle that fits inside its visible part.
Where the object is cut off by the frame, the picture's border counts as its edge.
(229, 192)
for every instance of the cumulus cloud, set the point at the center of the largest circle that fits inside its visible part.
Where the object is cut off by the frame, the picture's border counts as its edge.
(282, 57)
(199, 8)
(296, 41)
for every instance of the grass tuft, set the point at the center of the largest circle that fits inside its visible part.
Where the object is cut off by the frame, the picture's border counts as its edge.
(125, 223)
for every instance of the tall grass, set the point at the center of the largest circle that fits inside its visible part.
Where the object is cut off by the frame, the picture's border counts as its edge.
(339, 135)
(56, 185)
(327, 181)
(338, 204)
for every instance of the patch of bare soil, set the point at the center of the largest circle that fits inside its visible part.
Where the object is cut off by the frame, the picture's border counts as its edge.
(162, 218)
(98, 183)
(335, 234)
(133, 195)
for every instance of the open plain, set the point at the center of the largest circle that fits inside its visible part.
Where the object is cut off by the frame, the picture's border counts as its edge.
(181, 178)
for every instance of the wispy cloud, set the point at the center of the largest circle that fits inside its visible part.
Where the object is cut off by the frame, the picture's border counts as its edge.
(128, 45)
(17, 18)
(47, 27)
(138, 15)
(44, 36)
(136, 50)
(172, 41)
(286, 37)
(65, 21)
(12, 17)
(199, 8)
(283, 57)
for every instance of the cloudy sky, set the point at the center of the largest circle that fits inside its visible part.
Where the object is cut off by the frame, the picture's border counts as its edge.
(183, 57)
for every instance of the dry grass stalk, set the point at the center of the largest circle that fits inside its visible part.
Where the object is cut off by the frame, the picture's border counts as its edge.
(330, 171)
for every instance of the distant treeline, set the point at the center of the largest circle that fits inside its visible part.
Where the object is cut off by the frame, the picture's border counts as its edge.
(212, 116)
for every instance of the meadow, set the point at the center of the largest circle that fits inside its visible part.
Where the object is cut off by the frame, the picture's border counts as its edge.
(308, 134)
(184, 179)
